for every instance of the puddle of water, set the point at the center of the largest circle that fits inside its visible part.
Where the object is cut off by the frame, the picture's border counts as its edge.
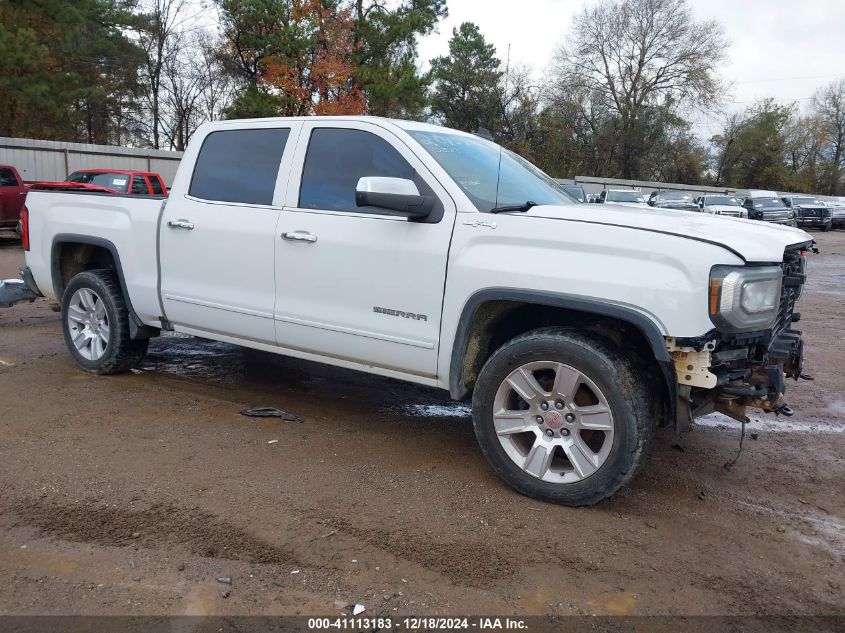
(780, 425)
(446, 410)
(240, 368)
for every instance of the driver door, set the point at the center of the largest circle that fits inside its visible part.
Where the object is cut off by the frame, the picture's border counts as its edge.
(353, 283)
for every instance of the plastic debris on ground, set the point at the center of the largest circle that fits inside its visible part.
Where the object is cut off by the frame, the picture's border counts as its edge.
(270, 412)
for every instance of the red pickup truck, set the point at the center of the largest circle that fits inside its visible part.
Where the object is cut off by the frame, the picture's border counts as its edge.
(12, 196)
(145, 183)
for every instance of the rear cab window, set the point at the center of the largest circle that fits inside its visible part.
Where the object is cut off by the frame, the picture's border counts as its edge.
(239, 166)
(7, 178)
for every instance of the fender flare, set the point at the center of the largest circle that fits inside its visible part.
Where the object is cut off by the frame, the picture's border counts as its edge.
(646, 326)
(137, 328)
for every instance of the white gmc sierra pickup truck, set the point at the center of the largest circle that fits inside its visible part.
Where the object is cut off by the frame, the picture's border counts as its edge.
(434, 256)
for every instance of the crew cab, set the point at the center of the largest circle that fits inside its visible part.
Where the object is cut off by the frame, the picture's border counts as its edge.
(809, 211)
(768, 207)
(722, 204)
(12, 196)
(143, 183)
(437, 257)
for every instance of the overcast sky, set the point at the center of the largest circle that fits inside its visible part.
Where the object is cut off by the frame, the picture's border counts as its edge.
(779, 48)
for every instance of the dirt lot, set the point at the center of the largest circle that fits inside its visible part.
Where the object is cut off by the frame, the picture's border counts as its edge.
(134, 494)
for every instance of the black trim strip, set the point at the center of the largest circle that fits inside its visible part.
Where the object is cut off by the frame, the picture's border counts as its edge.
(138, 329)
(589, 306)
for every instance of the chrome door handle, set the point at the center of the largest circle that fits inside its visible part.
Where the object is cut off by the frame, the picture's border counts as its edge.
(300, 236)
(180, 224)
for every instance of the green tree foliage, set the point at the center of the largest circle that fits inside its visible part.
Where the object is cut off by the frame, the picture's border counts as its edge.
(750, 152)
(264, 34)
(386, 53)
(67, 70)
(467, 82)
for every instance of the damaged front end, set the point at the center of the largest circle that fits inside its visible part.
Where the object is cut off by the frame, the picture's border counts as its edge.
(729, 370)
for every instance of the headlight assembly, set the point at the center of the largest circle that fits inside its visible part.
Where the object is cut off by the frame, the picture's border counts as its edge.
(744, 298)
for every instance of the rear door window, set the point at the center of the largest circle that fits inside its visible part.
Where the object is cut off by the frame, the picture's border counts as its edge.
(239, 165)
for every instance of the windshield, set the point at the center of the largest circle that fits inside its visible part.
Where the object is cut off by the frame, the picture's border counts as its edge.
(766, 202)
(576, 191)
(729, 201)
(674, 195)
(806, 202)
(474, 164)
(625, 196)
(118, 182)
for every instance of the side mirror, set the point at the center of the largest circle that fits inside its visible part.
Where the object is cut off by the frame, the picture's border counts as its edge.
(399, 196)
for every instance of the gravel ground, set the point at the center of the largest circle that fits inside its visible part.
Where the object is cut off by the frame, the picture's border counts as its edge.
(135, 494)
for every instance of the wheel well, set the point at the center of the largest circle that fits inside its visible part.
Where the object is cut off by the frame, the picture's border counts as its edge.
(73, 258)
(496, 322)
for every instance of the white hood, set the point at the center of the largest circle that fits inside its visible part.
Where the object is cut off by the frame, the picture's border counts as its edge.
(754, 240)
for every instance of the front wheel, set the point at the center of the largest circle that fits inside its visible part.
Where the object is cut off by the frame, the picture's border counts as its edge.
(95, 322)
(561, 415)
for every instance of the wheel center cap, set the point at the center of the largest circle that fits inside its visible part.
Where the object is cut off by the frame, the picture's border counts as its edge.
(553, 419)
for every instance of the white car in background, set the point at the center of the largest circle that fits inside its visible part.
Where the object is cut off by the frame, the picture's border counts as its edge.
(722, 204)
(623, 198)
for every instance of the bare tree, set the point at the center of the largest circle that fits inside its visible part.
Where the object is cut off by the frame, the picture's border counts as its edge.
(829, 107)
(637, 55)
(158, 25)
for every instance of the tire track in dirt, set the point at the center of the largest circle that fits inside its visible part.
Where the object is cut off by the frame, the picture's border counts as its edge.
(201, 533)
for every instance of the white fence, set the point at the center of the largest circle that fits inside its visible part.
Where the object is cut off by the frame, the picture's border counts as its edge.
(54, 160)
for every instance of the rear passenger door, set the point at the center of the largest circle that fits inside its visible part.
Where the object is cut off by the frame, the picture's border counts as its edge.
(218, 237)
(354, 283)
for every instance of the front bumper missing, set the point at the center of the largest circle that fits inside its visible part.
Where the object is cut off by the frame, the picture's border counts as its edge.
(734, 379)
(14, 291)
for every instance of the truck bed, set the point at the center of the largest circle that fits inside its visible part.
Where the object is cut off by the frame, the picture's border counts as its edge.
(124, 224)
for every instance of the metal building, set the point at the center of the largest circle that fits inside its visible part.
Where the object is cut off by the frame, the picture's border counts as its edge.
(54, 160)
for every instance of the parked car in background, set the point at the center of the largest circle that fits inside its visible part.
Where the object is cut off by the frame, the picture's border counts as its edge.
(623, 197)
(837, 212)
(146, 183)
(767, 206)
(679, 200)
(12, 196)
(809, 211)
(722, 204)
(576, 191)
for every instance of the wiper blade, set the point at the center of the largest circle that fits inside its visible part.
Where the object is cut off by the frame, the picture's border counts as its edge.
(515, 207)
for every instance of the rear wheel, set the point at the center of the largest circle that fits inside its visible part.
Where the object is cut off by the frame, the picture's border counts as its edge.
(563, 416)
(95, 322)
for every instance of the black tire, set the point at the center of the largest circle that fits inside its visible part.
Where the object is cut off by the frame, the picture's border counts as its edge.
(122, 353)
(624, 385)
